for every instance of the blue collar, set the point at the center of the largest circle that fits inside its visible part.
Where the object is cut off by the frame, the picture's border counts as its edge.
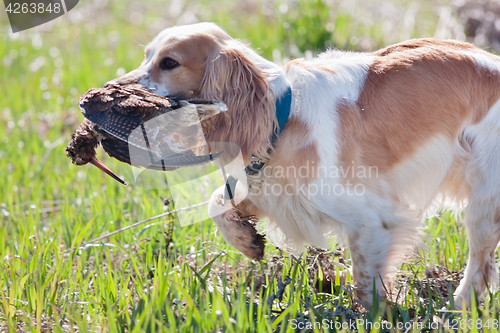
(283, 107)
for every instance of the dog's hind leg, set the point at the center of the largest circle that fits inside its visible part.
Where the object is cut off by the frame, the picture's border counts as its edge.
(483, 229)
(482, 217)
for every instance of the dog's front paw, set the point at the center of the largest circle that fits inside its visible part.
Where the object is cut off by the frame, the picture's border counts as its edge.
(238, 230)
(249, 242)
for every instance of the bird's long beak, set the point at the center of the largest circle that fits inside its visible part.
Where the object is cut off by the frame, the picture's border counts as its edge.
(105, 169)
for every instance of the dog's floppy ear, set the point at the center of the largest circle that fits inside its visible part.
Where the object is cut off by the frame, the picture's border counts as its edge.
(231, 77)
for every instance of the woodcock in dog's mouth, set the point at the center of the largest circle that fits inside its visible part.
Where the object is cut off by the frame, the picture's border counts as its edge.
(163, 133)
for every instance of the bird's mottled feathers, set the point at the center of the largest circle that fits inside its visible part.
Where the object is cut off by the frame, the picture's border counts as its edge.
(115, 112)
(131, 100)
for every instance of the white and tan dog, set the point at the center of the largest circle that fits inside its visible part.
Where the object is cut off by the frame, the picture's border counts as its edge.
(372, 142)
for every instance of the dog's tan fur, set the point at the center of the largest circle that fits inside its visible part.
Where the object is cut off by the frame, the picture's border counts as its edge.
(425, 114)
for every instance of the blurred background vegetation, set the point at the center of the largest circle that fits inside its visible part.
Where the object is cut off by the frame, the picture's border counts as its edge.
(48, 206)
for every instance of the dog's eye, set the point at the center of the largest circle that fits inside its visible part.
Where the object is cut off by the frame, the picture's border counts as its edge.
(168, 63)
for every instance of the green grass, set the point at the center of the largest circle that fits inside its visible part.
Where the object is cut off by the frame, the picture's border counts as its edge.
(164, 277)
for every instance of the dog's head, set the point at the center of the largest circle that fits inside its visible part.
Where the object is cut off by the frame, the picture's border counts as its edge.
(201, 60)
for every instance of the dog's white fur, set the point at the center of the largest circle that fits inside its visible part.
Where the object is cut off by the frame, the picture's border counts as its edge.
(423, 115)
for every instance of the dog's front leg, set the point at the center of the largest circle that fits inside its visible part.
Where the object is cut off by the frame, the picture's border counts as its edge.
(376, 248)
(237, 222)
(368, 265)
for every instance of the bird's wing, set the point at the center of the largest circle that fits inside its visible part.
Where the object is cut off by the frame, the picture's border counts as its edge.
(141, 158)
